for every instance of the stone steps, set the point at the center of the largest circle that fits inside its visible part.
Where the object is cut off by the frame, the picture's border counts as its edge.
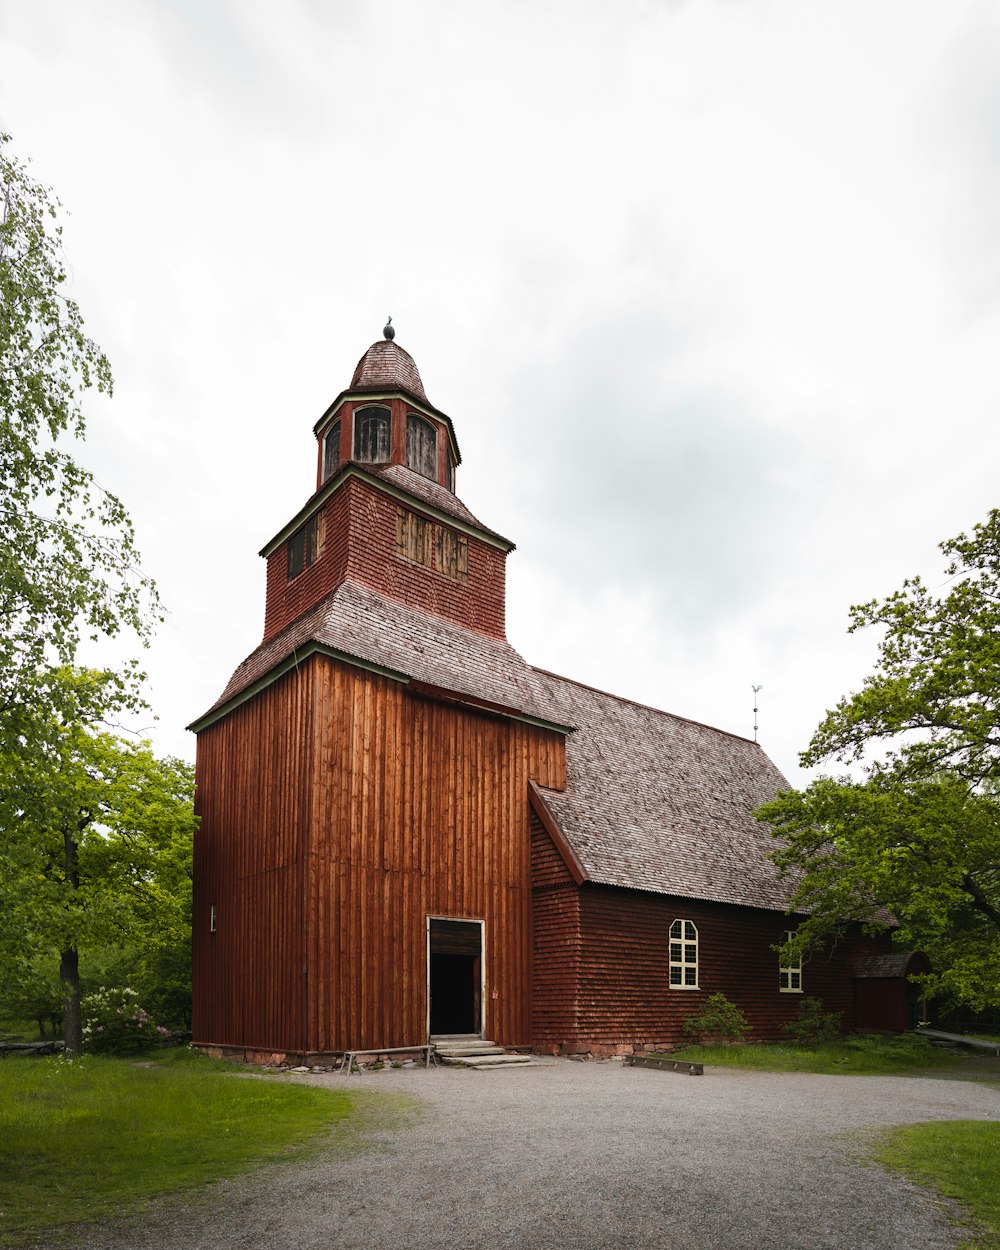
(474, 1052)
(503, 1060)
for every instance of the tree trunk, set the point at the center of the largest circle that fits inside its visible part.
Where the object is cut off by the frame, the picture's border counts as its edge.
(69, 973)
(69, 963)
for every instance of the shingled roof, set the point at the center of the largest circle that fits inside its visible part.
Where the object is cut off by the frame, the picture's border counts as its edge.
(890, 964)
(430, 492)
(360, 624)
(386, 366)
(655, 802)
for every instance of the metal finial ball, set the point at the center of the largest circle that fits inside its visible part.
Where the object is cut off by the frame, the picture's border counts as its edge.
(387, 329)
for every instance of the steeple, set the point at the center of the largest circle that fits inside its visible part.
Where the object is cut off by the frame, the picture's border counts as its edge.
(384, 513)
(384, 417)
(386, 365)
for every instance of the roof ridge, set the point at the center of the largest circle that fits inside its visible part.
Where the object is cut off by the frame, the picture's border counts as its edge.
(648, 707)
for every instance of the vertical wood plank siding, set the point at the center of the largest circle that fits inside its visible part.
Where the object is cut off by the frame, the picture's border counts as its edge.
(419, 808)
(253, 795)
(339, 810)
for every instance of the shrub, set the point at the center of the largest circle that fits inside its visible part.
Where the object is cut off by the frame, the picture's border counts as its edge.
(813, 1023)
(115, 1024)
(718, 1021)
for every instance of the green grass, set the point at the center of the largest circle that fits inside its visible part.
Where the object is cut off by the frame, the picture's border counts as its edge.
(83, 1140)
(958, 1158)
(853, 1056)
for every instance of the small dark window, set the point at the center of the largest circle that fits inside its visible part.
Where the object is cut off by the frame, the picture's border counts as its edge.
(421, 445)
(452, 554)
(302, 549)
(212, 922)
(331, 451)
(371, 435)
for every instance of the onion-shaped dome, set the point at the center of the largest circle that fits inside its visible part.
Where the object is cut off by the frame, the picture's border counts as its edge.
(385, 366)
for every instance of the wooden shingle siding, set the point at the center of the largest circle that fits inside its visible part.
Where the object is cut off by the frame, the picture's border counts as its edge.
(253, 797)
(286, 600)
(362, 541)
(624, 997)
(556, 945)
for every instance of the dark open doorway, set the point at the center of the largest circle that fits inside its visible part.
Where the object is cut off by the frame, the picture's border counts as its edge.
(455, 957)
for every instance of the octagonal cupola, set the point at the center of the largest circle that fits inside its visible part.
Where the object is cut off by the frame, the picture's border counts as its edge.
(384, 418)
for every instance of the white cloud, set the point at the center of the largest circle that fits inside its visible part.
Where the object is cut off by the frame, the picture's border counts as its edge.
(710, 291)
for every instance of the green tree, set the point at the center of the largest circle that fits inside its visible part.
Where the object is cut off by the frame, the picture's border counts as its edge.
(919, 835)
(99, 853)
(69, 568)
(69, 572)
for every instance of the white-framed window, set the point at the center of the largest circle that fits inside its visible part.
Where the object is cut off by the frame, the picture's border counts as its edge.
(683, 955)
(789, 974)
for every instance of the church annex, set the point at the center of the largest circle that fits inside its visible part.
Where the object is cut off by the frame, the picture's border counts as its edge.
(407, 830)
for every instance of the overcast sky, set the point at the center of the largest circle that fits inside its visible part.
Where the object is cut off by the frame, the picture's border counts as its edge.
(711, 292)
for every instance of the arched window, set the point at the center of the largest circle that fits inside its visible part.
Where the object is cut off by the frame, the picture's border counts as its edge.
(421, 445)
(683, 955)
(789, 970)
(371, 435)
(331, 451)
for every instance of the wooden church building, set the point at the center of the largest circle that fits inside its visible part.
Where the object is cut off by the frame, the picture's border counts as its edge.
(407, 830)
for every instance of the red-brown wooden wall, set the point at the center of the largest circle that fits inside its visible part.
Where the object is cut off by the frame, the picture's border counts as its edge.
(601, 974)
(390, 807)
(254, 799)
(358, 528)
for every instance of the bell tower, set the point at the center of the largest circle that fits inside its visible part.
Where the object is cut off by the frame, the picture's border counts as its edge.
(384, 513)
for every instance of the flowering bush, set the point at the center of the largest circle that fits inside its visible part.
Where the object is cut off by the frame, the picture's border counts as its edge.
(115, 1024)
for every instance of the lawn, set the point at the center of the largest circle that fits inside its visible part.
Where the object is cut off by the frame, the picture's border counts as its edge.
(899, 1054)
(90, 1138)
(958, 1158)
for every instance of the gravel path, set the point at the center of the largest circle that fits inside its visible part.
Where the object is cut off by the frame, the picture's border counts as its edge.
(591, 1156)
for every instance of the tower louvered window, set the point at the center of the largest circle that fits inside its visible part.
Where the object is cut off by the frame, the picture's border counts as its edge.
(421, 446)
(452, 554)
(683, 955)
(413, 537)
(331, 451)
(302, 548)
(372, 435)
